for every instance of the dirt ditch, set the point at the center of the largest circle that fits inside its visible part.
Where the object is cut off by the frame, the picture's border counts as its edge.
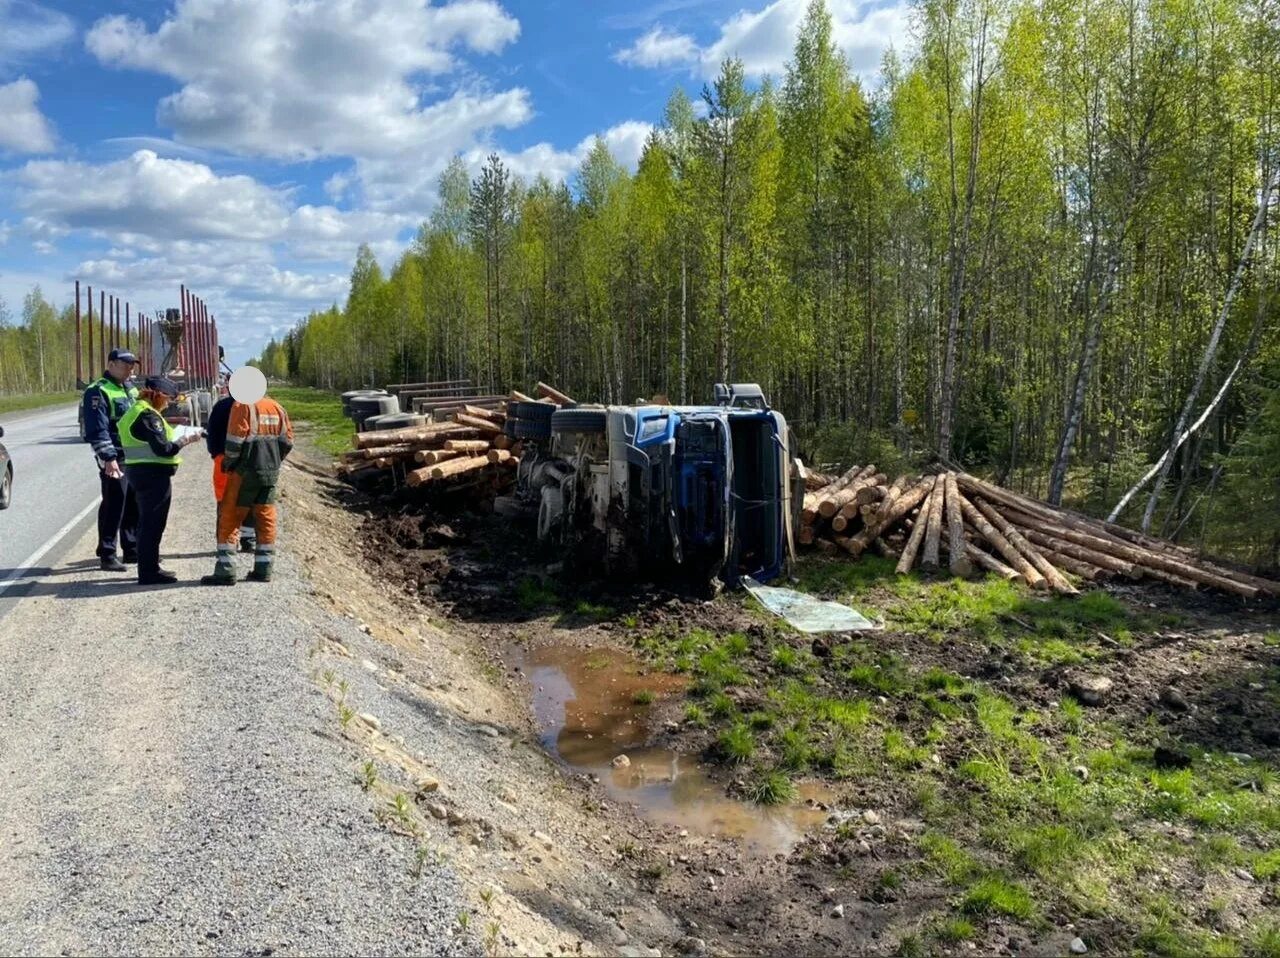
(906, 763)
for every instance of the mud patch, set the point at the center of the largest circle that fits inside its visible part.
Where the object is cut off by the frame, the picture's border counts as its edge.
(592, 709)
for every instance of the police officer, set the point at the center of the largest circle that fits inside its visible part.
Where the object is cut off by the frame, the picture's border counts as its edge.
(103, 405)
(151, 448)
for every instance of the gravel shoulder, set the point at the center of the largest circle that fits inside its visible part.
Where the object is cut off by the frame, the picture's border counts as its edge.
(176, 780)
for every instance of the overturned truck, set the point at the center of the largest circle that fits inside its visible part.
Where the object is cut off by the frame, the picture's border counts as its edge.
(698, 493)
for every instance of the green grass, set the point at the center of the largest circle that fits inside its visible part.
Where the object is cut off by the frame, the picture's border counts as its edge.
(321, 412)
(643, 697)
(952, 931)
(994, 895)
(771, 788)
(592, 610)
(736, 743)
(533, 594)
(12, 404)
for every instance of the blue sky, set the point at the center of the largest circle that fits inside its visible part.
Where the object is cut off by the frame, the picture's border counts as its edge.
(246, 147)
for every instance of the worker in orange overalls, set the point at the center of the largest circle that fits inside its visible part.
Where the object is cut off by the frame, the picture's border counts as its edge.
(259, 437)
(216, 442)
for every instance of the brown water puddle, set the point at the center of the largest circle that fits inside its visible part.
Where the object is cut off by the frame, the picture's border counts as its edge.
(584, 704)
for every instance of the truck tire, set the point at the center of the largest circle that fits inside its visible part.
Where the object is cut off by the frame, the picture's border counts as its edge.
(400, 420)
(6, 487)
(533, 411)
(579, 420)
(528, 429)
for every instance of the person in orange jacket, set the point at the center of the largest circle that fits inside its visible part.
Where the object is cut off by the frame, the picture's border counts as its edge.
(216, 443)
(258, 439)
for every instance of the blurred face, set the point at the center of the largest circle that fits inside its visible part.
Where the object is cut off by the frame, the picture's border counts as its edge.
(119, 370)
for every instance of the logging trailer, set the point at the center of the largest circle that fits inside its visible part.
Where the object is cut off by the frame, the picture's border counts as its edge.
(704, 493)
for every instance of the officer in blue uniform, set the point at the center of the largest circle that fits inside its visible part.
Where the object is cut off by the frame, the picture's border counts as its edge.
(104, 403)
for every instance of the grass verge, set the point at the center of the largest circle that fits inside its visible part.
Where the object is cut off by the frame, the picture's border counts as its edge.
(321, 412)
(12, 404)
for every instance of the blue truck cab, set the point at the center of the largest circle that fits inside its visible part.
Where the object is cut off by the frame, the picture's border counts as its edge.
(702, 492)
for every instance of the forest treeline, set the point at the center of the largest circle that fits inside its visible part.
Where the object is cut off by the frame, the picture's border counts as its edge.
(37, 348)
(1040, 245)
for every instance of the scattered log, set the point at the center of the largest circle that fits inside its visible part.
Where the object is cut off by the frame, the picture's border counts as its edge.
(989, 562)
(1011, 555)
(475, 422)
(480, 412)
(826, 547)
(1078, 552)
(458, 467)
(467, 445)
(1055, 578)
(960, 563)
(517, 396)
(889, 515)
(432, 456)
(931, 519)
(917, 536)
(832, 502)
(555, 395)
(387, 437)
(498, 455)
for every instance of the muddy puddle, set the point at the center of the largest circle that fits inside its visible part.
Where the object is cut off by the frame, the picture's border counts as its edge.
(592, 705)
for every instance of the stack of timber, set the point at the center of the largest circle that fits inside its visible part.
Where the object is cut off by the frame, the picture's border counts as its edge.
(467, 450)
(976, 526)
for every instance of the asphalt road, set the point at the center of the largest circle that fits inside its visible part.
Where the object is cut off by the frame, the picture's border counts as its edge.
(55, 495)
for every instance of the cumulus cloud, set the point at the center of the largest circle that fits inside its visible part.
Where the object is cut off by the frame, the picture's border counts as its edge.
(764, 39)
(658, 48)
(147, 200)
(23, 128)
(625, 141)
(297, 79)
(29, 29)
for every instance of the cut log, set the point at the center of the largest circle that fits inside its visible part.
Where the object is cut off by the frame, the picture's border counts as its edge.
(554, 395)
(1078, 552)
(421, 434)
(1084, 570)
(498, 455)
(912, 547)
(826, 547)
(1155, 562)
(484, 425)
(481, 412)
(503, 442)
(1011, 555)
(458, 467)
(517, 396)
(832, 501)
(960, 563)
(432, 456)
(989, 562)
(889, 515)
(931, 519)
(806, 535)
(467, 445)
(1056, 579)
(809, 509)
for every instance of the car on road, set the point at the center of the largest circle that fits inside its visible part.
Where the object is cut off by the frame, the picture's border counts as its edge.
(6, 475)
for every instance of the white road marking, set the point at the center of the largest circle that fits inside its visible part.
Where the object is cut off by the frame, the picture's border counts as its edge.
(52, 541)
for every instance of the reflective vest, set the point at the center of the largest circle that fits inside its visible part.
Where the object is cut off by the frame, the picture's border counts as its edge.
(119, 398)
(138, 451)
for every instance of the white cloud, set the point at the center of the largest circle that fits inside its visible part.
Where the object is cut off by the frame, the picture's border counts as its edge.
(23, 128)
(764, 39)
(28, 29)
(296, 79)
(147, 201)
(658, 48)
(625, 141)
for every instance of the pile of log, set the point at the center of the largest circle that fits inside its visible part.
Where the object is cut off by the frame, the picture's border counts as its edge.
(470, 444)
(979, 526)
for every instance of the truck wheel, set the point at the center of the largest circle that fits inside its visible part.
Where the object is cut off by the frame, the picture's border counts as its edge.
(527, 429)
(534, 411)
(6, 488)
(579, 420)
(550, 510)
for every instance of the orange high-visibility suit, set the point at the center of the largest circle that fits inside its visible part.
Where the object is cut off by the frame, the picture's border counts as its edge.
(259, 437)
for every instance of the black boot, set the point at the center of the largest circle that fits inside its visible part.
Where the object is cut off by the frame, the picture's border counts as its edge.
(159, 577)
(112, 564)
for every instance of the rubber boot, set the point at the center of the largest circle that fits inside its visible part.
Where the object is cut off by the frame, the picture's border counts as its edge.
(261, 573)
(224, 571)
